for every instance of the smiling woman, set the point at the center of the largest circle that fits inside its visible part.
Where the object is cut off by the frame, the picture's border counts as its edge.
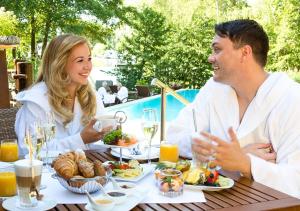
(62, 88)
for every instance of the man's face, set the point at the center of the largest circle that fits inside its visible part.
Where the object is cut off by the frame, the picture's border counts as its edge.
(225, 60)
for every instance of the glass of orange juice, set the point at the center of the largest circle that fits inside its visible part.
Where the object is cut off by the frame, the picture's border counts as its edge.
(9, 150)
(168, 152)
(7, 181)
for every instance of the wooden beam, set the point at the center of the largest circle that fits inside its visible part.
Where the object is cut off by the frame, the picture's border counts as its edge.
(4, 91)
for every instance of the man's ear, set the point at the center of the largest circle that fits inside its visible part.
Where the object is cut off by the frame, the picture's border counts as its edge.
(246, 52)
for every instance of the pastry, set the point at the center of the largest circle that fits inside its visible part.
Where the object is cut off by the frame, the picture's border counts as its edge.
(79, 155)
(65, 167)
(99, 168)
(69, 155)
(77, 181)
(86, 168)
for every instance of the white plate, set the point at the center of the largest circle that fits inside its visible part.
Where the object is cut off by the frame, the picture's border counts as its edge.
(51, 155)
(146, 170)
(126, 154)
(210, 188)
(130, 202)
(12, 204)
(100, 143)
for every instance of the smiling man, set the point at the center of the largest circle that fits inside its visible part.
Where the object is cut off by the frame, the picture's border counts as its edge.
(251, 116)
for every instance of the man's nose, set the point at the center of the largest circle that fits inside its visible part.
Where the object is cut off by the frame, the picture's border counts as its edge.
(211, 59)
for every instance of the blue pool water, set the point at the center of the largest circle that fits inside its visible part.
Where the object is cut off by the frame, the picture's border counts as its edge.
(134, 109)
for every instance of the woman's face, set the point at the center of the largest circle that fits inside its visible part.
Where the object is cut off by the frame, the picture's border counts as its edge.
(79, 65)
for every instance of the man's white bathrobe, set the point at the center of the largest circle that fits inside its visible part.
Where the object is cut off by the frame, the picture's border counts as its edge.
(35, 105)
(272, 116)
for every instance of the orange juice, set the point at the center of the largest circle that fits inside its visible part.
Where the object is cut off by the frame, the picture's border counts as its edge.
(168, 152)
(9, 150)
(8, 184)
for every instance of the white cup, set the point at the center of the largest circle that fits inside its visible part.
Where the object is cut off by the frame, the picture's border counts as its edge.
(28, 181)
(104, 122)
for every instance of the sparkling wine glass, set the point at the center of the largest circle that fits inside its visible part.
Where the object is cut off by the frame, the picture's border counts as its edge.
(149, 126)
(38, 139)
(49, 128)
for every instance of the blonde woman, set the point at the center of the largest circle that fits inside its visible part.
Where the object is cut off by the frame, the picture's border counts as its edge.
(62, 88)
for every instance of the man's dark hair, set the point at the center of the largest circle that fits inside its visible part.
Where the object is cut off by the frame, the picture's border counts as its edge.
(246, 32)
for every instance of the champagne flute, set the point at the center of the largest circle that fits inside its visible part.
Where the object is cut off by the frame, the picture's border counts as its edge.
(49, 128)
(38, 139)
(149, 126)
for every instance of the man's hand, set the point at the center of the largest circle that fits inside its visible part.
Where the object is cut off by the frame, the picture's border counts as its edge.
(264, 151)
(90, 135)
(230, 156)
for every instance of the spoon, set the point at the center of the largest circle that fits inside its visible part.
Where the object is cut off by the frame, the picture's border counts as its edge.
(115, 184)
(91, 200)
(104, 192)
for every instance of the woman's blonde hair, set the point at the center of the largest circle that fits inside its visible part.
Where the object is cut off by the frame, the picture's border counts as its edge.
(52, 72)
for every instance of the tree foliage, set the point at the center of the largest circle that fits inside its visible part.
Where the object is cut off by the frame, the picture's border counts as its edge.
(143, 49)
(43, 19)
(186, 44)
(8, 22)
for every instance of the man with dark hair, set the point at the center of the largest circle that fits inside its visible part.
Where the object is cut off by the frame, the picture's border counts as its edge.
(250, 117)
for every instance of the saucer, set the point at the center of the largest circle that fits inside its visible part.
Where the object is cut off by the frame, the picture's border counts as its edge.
(12, 204)
(126, 154)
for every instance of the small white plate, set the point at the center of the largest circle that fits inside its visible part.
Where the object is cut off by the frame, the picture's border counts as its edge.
(126, 154)
(130, 203)
(12, 204)
(146, 170)
(211, 188)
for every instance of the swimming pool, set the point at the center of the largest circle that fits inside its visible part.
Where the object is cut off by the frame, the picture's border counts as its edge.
(134, 109)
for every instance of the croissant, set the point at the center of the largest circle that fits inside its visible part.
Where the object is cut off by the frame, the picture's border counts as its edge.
(86, 168)
(79, 156)
(65, 167)
(99, 168)
(69, 155)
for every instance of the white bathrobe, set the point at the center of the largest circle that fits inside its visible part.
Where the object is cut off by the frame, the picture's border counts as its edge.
(35, 105)
(122, 94)
(272, 116)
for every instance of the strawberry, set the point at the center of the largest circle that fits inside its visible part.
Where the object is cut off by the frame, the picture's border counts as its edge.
(212, 177)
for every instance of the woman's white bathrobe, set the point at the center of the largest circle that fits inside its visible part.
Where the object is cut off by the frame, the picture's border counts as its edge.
(35, 105)
(272, 116)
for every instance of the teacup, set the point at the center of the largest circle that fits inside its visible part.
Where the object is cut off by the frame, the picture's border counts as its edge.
(28, 176)
(105, 122)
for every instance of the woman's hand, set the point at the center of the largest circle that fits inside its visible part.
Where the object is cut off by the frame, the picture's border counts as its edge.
(264, 151)
(90, 135)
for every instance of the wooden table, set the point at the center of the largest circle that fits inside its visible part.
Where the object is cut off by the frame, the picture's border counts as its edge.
(245, 195)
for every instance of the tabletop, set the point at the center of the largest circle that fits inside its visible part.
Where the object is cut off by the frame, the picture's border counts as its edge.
(245, 195)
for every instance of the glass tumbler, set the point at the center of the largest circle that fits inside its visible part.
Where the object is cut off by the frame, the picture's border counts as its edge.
(9, 150)
(170, 182)
(8, 185)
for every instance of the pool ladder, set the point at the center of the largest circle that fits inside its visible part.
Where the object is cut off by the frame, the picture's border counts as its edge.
(165, 89)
